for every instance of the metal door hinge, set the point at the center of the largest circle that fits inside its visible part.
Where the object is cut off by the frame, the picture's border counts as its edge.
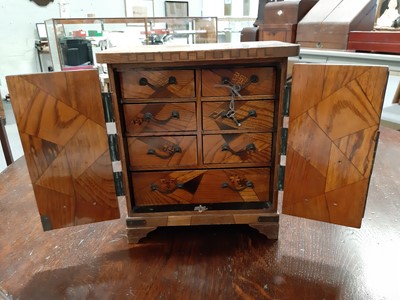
(46, 223)
(281, 178)
(113, 142)
(284, 133)
(286, 96)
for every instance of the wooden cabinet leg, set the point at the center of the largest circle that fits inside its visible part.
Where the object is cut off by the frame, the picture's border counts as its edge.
(136, 234)
(270, 230)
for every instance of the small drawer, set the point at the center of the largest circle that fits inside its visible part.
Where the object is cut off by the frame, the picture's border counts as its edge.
(274, 32)
(251, 81)
(249, 115)
(237, 148)
(161, 152)
(201, 186)
(157, 84)
(159, 117)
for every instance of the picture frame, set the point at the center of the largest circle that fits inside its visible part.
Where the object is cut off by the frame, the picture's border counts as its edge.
(139, 8)
(176, 9)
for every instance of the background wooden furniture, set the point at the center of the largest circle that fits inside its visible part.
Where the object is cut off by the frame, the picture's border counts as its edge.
(281, 19)
(374, 41)
(329, 22)
(311, 260)
(277, 21)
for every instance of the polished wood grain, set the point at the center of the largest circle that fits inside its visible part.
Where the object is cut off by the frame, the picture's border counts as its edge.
(252, 81)
(262, 119)
(237, 148)
(198, 53)
(201, 186)
(63, 134)
(311, 260)
(157, 153)
(157, 84)
(332, 141)
(159, 117)
(213, 172)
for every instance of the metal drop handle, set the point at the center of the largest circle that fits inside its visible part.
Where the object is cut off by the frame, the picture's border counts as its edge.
(249, 148)
(250, 114)
(149, 117)
(154, 187)
(169, 152)
(248, 184)
(143, 82)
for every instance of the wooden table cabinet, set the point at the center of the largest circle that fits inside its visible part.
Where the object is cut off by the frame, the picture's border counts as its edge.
(197, 135)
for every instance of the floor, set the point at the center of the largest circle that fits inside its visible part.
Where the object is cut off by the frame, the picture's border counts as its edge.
(390, 116)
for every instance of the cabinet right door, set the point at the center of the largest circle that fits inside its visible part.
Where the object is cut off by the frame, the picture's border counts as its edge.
(334, 119)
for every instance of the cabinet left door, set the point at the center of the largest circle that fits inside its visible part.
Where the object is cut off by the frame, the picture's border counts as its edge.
(61, 123)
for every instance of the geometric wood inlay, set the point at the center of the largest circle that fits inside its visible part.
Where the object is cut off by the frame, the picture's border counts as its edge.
(193, 186)
(61, 123)
(335, 134)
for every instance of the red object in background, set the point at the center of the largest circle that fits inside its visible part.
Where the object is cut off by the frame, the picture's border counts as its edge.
(79, 33)
(374, 41)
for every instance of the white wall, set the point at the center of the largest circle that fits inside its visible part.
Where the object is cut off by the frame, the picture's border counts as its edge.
(215, 8)
(18, 30)
(195, 8)
(19, 17)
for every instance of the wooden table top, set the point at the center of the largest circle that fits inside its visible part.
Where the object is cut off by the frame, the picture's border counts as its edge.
(311, 260)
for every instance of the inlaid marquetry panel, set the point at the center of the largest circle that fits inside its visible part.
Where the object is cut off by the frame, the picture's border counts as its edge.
(237, 148)
(199, 53)
(159, 117)
(61, 123)
(201, 186)
(162, 151)
(157, 84)
(251, 115)
(333, 130)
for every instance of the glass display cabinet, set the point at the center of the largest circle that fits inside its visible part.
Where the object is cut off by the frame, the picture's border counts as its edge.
(75, 42)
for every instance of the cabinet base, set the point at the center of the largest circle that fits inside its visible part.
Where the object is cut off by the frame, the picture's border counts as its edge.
(142, 223)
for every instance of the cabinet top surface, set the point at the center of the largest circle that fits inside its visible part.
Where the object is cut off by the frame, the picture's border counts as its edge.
(198, 52)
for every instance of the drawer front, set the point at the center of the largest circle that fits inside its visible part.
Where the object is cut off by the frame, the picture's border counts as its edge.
(237, 148)
(157, 84)
(251, 115)
(159, 117)
(201, 186)
(253, 81)
(283, 33)
(160, 152)
(274, 35)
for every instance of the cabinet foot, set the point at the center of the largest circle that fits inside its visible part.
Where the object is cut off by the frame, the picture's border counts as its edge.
(270, 230)
(138, 226)
(136, 234)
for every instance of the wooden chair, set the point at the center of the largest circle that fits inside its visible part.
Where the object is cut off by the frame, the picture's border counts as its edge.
(5, 144)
